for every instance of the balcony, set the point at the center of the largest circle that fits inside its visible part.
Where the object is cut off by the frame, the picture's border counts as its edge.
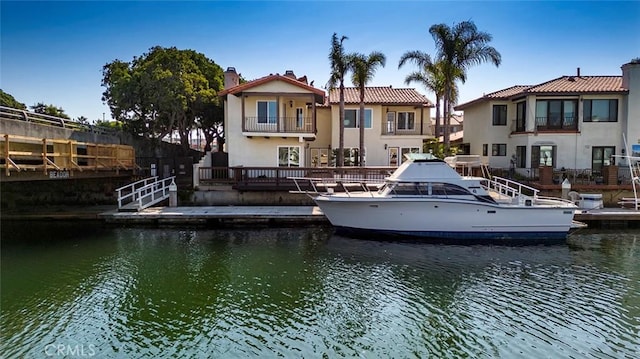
(390, 129)
(556, 124)
(279, 125)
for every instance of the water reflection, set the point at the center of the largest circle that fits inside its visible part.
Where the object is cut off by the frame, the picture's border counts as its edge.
(304, 292)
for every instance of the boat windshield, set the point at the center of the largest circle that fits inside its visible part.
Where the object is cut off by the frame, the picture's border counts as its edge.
(420, 156)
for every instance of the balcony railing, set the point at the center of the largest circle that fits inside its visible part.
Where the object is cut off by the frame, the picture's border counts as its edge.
(518, 125)
(391, 129)
(569, 123)
(279, 124)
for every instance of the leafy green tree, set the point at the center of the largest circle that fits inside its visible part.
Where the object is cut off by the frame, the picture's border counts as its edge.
(163, 91)
(364, 68)
(113, 125)
(8, 101)
(339, 62)
(460, 47)
(50, 110)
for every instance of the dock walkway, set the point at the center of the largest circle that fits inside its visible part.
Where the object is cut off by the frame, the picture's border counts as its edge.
(309, 214)
(613, 217)
(226, 214)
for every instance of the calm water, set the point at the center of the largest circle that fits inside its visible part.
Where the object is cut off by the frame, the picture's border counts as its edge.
(85, 290)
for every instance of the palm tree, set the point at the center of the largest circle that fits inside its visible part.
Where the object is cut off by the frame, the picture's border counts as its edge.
(460, 47)
(339, 66)
(428, 74)
(364, 68)
(431, 76)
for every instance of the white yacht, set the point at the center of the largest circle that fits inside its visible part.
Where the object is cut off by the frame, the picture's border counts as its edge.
(427, 197)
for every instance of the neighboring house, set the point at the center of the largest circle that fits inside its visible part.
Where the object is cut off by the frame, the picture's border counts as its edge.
(572, 121)
(271, 121)
(456, 129)
(281, 121)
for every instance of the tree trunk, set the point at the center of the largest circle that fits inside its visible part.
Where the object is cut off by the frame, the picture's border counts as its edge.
(340, 157)
(437, 126)
(361, 128)
(447, 112)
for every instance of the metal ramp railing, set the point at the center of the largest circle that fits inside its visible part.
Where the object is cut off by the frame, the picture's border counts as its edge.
(144, 193)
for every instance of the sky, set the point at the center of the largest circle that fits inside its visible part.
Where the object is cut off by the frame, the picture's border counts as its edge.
(53, 52)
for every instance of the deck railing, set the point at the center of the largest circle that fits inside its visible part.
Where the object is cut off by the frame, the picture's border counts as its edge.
(279, 177)
(274, 178)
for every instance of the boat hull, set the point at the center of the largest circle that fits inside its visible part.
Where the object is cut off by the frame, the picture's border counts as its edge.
(446, 219)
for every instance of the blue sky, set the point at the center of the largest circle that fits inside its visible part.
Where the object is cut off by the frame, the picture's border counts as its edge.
(53, 52)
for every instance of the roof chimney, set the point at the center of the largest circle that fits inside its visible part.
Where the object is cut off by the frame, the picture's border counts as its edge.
(290, 74)
(578, 72)
(231, 78)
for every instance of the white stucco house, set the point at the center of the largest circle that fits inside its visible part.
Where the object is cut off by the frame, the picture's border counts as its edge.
(397, 121)
(573, 121)
(282, 121)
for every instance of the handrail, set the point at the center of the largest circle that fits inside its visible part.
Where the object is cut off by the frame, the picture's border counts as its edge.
(144, 193)
(130, 190)
(43, 119)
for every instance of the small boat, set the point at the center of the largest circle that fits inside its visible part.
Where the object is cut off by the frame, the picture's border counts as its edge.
(427, 197)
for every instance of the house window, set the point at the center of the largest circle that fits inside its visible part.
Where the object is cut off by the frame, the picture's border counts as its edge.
(406, 120)
(556, 114)
(299, 117)
(601, 156)
(352, 118)
(267, 112)
(319, 157)
(521, 116)
(351, 157)
(406, 150)
(393, 156)
(521, 156)
(391, 123)
(499, 115)
(485, 149)
(543, 156)
(499, 149)
(600, 110)
(288, 156)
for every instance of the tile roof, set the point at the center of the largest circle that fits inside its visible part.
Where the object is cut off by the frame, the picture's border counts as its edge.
(503, 94)
(277, 77)
(380, 95)
(580, 84)
(564, 85)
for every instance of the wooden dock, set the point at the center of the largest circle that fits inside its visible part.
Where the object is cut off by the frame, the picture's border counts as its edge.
(219, 214)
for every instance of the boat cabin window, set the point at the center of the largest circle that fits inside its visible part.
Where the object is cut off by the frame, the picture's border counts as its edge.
(447, 189)
(428, 189)
(409, 189)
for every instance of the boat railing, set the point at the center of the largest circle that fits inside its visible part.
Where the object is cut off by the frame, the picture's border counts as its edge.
(512, 189)
(314, 186)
